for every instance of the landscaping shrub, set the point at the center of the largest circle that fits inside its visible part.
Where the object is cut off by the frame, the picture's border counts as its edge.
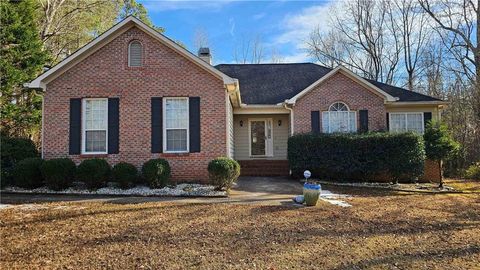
(58, 173)
(357, 157)
(473, 171)
(27, 173)
(12, 151)
(125, 174)
(156, 172)
(94, 172)
(223, 172)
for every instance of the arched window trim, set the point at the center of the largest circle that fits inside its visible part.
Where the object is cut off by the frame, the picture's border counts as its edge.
(339, 111)
(334, 108)
(141, 53)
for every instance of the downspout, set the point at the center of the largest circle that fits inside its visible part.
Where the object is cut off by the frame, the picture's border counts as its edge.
(291, 117)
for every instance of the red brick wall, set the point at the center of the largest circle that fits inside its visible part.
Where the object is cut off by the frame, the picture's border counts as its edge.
(339, 88)
(165, 73)
(431, 172)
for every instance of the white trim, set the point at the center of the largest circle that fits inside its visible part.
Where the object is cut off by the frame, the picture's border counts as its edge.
(348, 73)
(260, 109)
(40, 81)
(268, 142)
(420, 103)
(164, 127)
(83, 124)
(406, 127)
(142, 53)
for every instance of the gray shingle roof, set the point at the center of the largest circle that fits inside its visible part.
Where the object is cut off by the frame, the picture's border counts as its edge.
(274, 83)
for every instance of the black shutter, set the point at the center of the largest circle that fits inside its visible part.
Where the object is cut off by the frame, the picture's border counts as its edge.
(75, 134)
(194, 126)
(315, 119)
(427, 117)
(363, 120)
(157, 132)
(388, 122)
(113, 125)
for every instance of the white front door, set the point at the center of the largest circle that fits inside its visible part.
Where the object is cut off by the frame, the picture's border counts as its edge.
(261, 137)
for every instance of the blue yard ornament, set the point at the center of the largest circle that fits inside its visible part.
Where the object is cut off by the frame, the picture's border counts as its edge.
(307, 174)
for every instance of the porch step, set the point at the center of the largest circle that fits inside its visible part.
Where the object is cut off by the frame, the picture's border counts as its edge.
(264, 167)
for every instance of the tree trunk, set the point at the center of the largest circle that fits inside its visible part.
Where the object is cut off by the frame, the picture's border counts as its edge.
(440, 165)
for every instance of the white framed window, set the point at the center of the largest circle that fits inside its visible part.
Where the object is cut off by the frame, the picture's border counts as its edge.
(94, 125)
(175, 125)
(339, 118)
(135, 54)
(406, 121)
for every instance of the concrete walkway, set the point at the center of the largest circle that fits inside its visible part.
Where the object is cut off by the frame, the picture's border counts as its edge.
(248, 190)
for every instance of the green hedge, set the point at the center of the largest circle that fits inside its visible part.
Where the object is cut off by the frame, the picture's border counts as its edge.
(12, 151)
(156, 172)
(124, 174)
(27, 173)
(94, 172)
(357, 157)
(58, 173)
(223, 172)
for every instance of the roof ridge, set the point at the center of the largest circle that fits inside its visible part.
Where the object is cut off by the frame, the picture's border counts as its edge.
(265, 64)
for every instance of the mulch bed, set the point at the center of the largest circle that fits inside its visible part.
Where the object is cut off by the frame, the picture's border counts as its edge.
(381, 231)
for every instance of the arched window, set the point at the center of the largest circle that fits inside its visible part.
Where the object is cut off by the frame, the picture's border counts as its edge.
(339, 118)
(135, 54)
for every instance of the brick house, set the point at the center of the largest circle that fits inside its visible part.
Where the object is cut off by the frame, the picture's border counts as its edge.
(132, 94)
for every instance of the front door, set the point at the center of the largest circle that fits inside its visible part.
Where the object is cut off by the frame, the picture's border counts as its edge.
(261, 137)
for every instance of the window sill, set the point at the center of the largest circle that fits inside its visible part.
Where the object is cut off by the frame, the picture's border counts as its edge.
(183, 154)
(93, 155)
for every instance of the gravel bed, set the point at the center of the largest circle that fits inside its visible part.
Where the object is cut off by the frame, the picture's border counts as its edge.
(181, 190)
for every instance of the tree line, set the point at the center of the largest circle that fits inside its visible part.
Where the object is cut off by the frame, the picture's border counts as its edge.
(428, 46)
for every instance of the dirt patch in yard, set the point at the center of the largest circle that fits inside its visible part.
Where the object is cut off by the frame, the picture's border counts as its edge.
(381, 231)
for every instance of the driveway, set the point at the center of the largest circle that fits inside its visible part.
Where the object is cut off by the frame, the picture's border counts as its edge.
(248, 190)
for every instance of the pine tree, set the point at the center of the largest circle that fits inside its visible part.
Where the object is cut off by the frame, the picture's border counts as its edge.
(21, 60)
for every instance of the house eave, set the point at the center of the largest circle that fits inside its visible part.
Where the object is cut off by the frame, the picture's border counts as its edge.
(417, 103)
(261, 109)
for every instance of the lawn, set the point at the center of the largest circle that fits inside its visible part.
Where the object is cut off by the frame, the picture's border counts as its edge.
(380, 231)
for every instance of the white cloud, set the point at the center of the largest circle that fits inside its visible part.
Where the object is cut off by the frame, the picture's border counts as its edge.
(258, 16)
(299, 57)
(298, 26)
(295, 29)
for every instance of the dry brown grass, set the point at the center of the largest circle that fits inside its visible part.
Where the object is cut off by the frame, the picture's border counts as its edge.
(465, 185)
(380, 231)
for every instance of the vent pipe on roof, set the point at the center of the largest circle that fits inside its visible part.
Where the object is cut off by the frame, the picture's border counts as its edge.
(204, 54)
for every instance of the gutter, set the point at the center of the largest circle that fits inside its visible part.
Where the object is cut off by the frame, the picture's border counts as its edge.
(291, 117)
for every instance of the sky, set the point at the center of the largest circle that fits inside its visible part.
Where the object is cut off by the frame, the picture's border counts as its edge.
(283, 26)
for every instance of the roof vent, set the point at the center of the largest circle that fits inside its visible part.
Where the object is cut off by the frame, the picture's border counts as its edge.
(204, 54)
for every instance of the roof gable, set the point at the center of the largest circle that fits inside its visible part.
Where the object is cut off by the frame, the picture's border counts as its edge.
(275, 83)
(349, 74)
(108, 36)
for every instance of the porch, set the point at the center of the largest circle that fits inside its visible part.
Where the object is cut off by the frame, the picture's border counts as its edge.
(260, 143)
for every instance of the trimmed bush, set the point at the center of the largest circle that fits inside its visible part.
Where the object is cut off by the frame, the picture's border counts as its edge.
(12, 151)
(58, 173)
(473, 171)
(223, 172)
(357, 157)
(125, 174)
(156, 173)
(94, 172)
(27, 173)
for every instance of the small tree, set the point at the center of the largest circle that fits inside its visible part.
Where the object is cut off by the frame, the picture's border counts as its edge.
(439, 144)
